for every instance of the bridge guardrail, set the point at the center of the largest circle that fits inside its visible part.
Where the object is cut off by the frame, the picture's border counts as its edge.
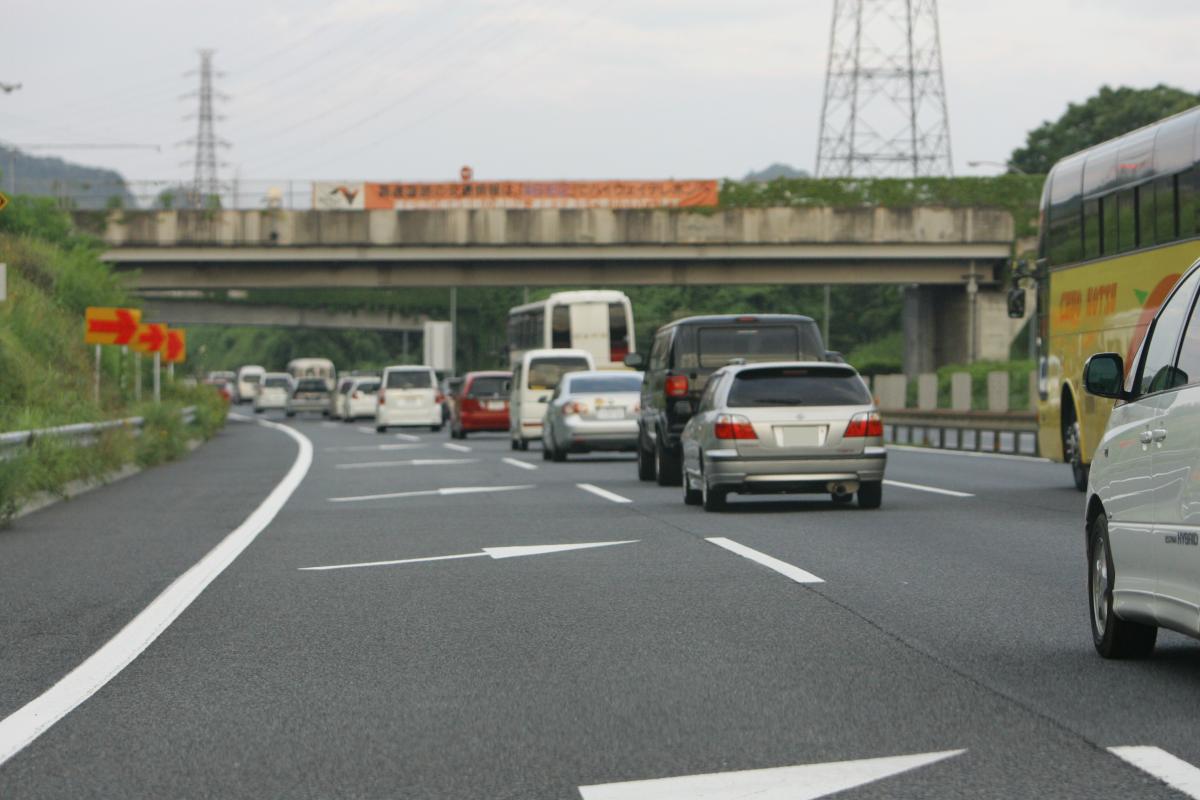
(81, 433)
(1013, 432)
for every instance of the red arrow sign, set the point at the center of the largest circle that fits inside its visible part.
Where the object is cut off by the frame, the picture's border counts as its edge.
(176, 345)
(111, 325)
(150, 337)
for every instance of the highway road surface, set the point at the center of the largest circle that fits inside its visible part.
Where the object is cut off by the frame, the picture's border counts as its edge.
(319, 611)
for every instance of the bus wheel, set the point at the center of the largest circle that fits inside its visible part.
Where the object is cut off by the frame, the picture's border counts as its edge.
(1073, 454)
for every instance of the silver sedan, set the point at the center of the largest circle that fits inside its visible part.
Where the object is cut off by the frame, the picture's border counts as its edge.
(592, 411)
(803, 427)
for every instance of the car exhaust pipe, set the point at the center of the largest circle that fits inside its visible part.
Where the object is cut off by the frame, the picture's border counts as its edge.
(842, 487)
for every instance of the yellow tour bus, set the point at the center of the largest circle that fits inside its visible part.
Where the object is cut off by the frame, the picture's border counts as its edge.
(1118, 226)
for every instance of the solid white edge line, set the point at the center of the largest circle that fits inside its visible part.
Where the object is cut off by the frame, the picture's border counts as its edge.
(770, 562)
(940, 451)
(516, 462)
(24, 725)
(921, 488)
(461, 448)
(607, 495)
(1173, 771)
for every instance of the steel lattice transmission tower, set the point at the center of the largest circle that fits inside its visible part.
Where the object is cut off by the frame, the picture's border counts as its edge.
(205, 184)
(884, 112)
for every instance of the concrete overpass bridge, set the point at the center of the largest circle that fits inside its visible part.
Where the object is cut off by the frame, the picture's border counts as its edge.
(186, 311)
(950, 258)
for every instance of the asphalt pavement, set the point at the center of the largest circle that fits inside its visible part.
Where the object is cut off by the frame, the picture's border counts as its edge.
(432, 618)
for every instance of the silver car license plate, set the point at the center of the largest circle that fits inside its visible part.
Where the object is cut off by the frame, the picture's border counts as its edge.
(800, 435)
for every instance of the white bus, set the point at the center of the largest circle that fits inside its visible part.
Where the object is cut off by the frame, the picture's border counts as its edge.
(598, 321)
(313, 368)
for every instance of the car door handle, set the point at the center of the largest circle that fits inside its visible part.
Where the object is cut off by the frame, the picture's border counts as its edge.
(1146, 438)
(1159, 434)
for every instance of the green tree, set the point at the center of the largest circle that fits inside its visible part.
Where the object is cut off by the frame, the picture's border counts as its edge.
(1108, 114)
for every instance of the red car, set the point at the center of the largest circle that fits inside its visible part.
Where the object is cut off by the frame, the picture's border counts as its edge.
(481, 404)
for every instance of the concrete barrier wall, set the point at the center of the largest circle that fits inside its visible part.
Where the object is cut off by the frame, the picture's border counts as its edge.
(891, 391)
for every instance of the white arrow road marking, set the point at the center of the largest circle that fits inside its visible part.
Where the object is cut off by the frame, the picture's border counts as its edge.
(607, 495)
(448, 491)
(935, 490)
(31, 720)
(493, 552)
(361, 448)
(782, 567)
(804, 782)
(462, 448)
(516, 462)
(416, 462)
(1175, 772)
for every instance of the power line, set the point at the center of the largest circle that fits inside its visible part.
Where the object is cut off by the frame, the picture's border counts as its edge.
(204, 182)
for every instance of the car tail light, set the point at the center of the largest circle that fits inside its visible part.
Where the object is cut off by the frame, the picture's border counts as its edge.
(575, 407)
(733, 426)
(868, 423)
(356, 395)
(677, 386)
(441, 398)
(637, 408)
(381, 397)
(617, 352)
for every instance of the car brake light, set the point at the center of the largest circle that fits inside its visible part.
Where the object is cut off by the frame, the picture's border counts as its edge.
(575, 407)
(381, 397)
(356, 395)
(746, 319)
(441, 398)
(677, 386)
(868, 423)
(733, 426)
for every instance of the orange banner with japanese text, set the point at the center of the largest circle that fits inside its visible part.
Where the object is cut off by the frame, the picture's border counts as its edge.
(542, 194)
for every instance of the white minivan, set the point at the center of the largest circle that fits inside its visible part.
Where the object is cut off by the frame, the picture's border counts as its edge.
(535, 377)
(408, 396)
(248, 378)
(1143, 510)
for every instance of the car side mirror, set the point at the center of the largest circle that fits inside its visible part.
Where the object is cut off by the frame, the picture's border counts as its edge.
(1016, 303)
(634, 360)
(1103, 375)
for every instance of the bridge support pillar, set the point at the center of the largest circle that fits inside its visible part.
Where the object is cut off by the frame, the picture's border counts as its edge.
(950, 325)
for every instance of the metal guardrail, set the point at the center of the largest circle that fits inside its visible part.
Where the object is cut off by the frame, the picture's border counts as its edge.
(80, 433)
(1012, 432)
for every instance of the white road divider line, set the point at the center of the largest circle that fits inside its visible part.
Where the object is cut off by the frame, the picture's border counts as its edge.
(407, 437)
(494, 552)
(939, 451)
(933, 489)
(461, 448)
(373, 447)
(414, 462)
(365, 429)
(34, 718)
(607, 495)
(1175, 772)
(770, 562)
(516, 462)
(448, 491)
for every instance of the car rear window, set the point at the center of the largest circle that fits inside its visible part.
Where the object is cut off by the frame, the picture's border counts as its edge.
(276, 383)
(719, 346)
(489, 386)
(545, 373)
(797, 386)
(409, 379)
(368, 386)
(252, 378)
(312, 385)
(606, 383)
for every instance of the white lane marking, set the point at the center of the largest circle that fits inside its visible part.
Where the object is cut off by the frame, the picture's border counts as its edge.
(803, 782)
(365, 429)
(933, 489)
(361, 448)
(495, 552)
(447, 492)
(516, 462)
(938, 451)
(607, 495)
(462, 448)
(413, 462)
(31, 720)
(782, 567)
(1175, 772)
(407, 437)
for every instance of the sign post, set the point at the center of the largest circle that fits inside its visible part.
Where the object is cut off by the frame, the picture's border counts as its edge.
(150, 338)
(157, 377)
(104, 325)
(96, 378)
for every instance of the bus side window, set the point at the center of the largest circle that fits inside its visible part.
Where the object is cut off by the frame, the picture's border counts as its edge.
(560, 327)
(1145, 215)
(1164, 209)
(1126, 220)
(1186, 188)
(1091, 229)
(1108, 224)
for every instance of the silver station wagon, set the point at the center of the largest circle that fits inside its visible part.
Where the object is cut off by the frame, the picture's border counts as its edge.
(795, 427)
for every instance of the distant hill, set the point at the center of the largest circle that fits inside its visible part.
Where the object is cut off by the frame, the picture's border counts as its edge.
(776, 170)
(86, 187)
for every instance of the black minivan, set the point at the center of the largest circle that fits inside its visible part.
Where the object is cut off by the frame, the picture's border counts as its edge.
(685, 353)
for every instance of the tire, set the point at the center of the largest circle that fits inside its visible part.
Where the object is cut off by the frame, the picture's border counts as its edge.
(291, 413)
(348, 420)
(1112, 636)
(691, 497)
(870, 494)
(645, 462)
(556, 455)
(666, 465)
(258, 411)
(381, 428)
(513, 443)
(712, 499)
(545, 452)
(522, 444)
(435, 428)
(1073, 453)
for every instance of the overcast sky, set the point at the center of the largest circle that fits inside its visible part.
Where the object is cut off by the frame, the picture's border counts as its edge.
(413, 89)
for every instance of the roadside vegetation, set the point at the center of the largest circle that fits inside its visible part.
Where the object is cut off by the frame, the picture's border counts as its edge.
(46, 372)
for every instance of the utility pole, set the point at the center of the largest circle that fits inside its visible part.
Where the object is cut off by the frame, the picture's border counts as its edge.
(205, 185)
(884, 110)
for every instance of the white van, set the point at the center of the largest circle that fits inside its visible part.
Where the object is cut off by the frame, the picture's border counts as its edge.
(408, 396)
(273, 391)
(248, 378)
(535, 377)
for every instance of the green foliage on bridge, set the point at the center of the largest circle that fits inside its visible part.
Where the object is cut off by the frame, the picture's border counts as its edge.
(1019, 194)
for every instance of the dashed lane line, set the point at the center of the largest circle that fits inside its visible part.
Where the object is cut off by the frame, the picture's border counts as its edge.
(460, 448)
(446, 492)
(770, 562)
(932, 489)
(362, 448)
(413, 462)
(516, 462)
(607, 495)
(1175, 772)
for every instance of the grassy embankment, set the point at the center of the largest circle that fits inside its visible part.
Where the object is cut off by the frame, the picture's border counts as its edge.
(46, 371)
